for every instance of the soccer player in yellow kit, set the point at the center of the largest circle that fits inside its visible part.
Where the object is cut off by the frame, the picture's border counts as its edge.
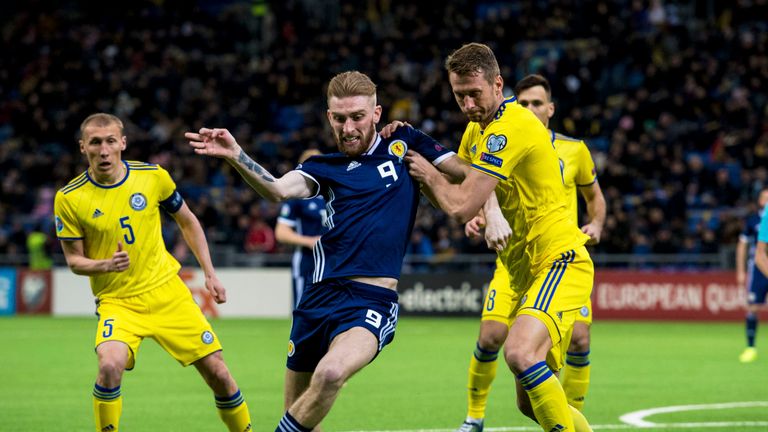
(534, 93)
(551, 273)
(108, 222)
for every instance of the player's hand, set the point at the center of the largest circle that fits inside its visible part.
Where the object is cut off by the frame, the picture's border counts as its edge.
(741, 279)
(389, 129)
(497, 232)
(594, 232)
(474, 227)
(421, 169)
(216, 288)
(120, 260)
(214, 142)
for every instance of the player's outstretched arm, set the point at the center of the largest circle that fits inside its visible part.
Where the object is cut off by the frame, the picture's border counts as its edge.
(461, 201)
(596, 210)
(285, 234)
(497, 229)
(82, 265)
(195, 237)
(221, 144)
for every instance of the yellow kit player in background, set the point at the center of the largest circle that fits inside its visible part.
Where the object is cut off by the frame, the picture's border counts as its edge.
(534, 93)
(551, 273)
(108, 222)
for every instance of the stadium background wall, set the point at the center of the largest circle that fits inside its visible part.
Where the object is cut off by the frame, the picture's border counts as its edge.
(266, 293)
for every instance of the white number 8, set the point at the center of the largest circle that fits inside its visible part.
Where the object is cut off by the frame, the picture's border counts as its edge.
(373, 318)
(387, 169)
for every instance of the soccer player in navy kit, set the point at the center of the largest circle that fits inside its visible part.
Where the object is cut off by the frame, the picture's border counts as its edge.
(749, 274)
(349, 313)
(300, 223)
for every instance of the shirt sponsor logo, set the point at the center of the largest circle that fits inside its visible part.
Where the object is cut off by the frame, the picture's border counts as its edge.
(97, 213)
(490, 159)
(138, 201)
(496, 143)
(352, 165)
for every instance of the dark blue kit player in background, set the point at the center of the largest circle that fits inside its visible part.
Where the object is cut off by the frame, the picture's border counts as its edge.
(349, 312)
(301, 222)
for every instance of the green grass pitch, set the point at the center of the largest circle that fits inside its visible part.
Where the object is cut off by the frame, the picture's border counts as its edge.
(47, 370)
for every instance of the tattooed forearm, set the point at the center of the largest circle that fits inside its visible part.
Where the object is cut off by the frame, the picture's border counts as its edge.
(253, 166)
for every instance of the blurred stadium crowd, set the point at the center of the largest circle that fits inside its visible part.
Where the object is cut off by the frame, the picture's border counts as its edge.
(670, 96)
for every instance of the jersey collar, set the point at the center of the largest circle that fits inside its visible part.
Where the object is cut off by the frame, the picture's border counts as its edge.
(103, 186)
(375, 145)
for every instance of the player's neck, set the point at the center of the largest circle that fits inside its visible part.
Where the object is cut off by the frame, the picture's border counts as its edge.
(109, 178)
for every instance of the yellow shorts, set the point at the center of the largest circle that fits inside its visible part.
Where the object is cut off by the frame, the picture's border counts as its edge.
(559, 292)
(168, 314)
(501, 299)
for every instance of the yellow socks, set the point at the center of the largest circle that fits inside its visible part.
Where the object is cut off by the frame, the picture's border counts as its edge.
(575, 378)
(107, 407)
(580, 422)
(482, 372)
(547, 398)
(233, 411)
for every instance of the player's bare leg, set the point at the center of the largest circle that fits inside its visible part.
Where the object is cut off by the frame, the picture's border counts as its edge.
(107, 400)
(349, 352)
(230, 403)
(575, 377)
(482, 372)
(525, 352)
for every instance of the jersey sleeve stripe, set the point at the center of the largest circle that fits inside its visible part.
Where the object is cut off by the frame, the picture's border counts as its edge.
(587, 184)
(440, 159)
(284, 221)
(487, 171)
(70, 238)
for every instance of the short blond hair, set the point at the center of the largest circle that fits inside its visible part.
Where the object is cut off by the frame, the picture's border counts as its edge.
(101, 119)
(351, 83)
(473, 58)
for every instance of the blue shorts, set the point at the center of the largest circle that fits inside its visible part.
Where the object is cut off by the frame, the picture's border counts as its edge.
(332, 307)
(757, 285)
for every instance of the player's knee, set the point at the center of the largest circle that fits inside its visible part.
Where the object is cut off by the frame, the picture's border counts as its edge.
(329, 377)
(518, 358)
(492, 340)
(111, 371)
(579, 342)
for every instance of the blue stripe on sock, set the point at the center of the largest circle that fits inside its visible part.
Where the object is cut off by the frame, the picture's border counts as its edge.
(106, 394)
(534, 375)
(484, 355)
(229, 402)
(289, 424)
(577, 359)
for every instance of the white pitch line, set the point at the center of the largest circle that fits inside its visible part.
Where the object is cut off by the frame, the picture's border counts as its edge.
(637, 418)
(607, 427)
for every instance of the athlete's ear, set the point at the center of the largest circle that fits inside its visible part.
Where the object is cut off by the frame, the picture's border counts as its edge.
(82, 146)
(551, 110)
(125, 141)
(377, 114)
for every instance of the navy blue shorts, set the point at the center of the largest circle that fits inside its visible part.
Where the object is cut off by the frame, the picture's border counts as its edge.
(332, 307)
(757, 285)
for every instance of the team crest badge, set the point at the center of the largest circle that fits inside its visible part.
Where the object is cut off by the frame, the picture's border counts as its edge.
(496, 143)
(291, 348)
(398, 148)
(584, 311)
(207, 337)
(138, 201)
(59, 224)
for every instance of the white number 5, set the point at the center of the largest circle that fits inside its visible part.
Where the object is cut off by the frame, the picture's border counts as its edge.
(372, 317)
(387, 169)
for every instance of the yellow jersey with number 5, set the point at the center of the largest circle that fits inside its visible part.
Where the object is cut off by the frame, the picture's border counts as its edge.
(127, 212)
(516, 148)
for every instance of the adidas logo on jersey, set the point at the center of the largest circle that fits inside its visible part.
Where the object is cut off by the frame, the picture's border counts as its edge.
(352, 165)
(97, 213)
